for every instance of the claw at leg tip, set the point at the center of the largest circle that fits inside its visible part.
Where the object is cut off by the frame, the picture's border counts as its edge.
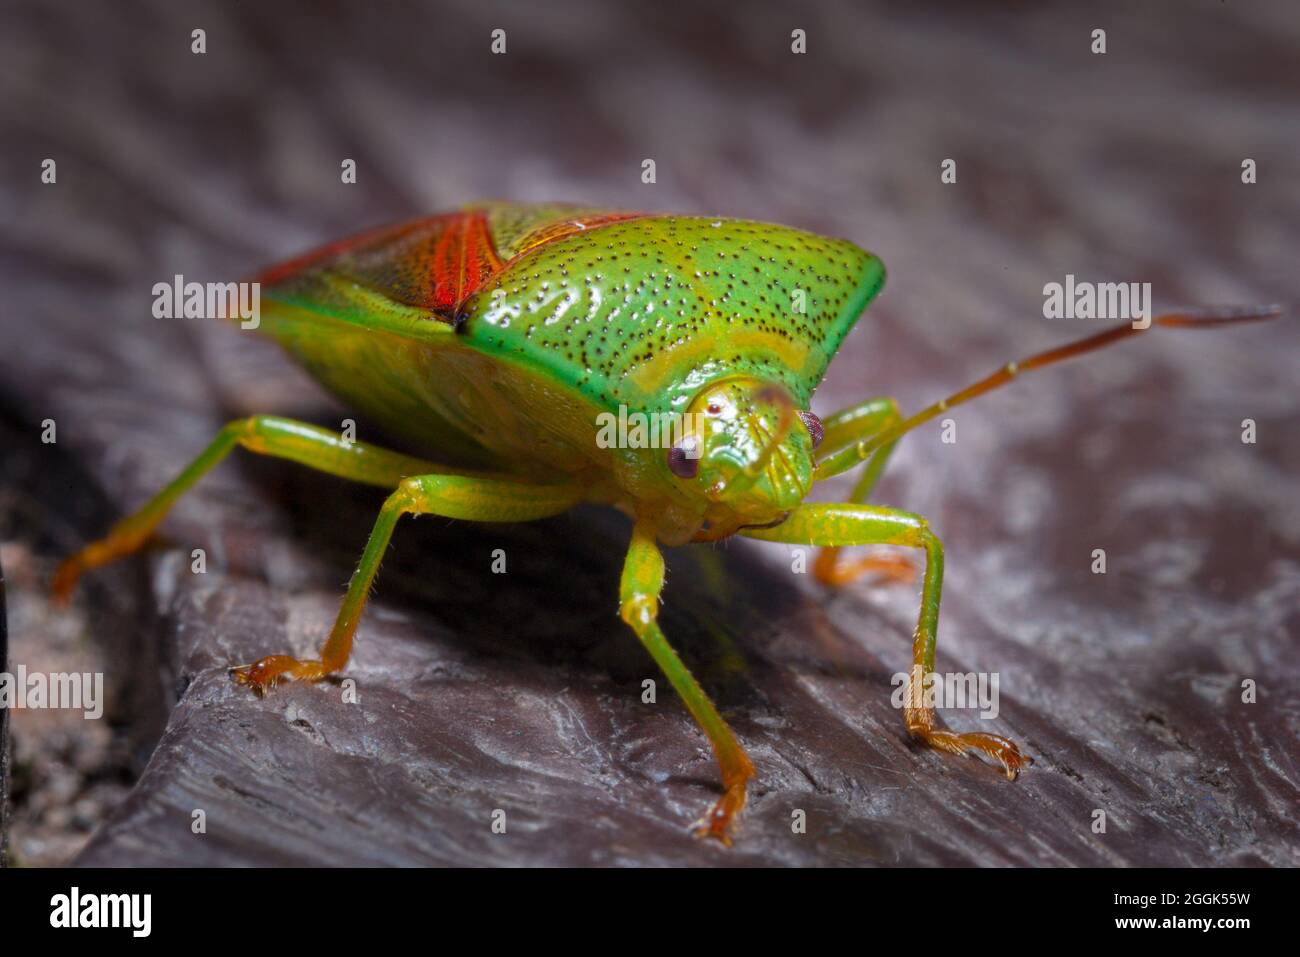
(704, 828)
(243, 675)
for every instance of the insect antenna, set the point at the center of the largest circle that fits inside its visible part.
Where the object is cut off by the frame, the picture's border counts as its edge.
(1190, 318)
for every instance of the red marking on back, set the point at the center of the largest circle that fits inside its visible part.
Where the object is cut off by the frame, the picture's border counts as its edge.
(463, 259)
(435, 263)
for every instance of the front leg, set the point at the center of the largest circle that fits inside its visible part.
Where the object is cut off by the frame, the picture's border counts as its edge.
(643, 578)
(852, 524)
(842, 430)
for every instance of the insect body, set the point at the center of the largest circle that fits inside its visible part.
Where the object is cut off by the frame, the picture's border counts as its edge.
(501, 336)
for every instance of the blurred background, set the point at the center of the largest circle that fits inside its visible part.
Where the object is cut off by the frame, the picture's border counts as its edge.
(1122, 166)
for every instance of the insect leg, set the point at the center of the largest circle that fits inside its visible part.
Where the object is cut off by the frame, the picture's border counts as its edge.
(266, 435)
(842, 430)
(451, 496)
(643, 578)
(853, 524)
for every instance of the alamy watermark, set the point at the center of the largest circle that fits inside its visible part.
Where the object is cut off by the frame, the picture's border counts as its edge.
(74, 909)
(179, 299)
(77, 691)
(1098, 300)
(953, 690)
(649, 430)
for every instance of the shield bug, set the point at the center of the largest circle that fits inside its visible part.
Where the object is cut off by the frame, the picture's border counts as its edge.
(510, 334)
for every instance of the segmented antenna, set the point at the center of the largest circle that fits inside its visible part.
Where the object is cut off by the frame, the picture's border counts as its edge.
(1186, 318)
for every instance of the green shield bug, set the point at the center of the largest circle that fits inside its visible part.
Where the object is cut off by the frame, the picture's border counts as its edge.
(523, 338)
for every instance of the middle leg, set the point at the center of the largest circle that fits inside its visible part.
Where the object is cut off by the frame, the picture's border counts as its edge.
(451, 496)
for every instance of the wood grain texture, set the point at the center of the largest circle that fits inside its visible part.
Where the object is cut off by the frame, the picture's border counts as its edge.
(479, 692)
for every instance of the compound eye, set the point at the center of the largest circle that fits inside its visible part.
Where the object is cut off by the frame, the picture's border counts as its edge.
(815, 427)
(684, 459)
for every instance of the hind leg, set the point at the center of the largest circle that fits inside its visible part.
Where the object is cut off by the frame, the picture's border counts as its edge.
(266, 435)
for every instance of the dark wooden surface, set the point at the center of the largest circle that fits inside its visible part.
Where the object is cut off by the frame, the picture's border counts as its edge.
(522, 692)
(4, 729)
